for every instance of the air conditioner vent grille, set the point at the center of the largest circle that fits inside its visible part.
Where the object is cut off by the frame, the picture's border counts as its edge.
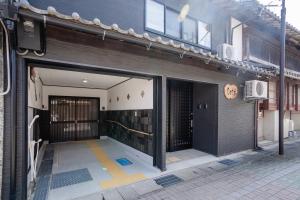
(256, 89)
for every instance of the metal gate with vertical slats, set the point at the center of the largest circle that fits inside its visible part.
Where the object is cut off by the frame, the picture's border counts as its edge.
(73, 118)
(180, 108)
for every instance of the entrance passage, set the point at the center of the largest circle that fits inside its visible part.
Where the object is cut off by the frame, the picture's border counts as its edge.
(180, 109)
(192, 117)
(73, 118)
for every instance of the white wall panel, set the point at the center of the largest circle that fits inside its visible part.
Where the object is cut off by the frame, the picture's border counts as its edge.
(134, 88)
(296, 119)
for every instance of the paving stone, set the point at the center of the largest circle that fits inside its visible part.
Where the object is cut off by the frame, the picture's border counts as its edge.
(260, 176)
(96, 196)
(111, 194)
(127, 192)
(144, 187)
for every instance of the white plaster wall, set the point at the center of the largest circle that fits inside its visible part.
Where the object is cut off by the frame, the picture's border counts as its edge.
(237, 41)
(78, 92)
(134, 88)
(296, 119)
(269, 128)
(271, 123)
(260, 128)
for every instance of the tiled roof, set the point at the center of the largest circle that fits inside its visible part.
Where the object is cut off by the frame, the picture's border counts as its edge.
(75, 17)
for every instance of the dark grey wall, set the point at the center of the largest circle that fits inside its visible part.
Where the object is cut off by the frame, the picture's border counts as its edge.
(236, 121)
(131, 13)
(125, 13)
(236, 118)
(139, 120)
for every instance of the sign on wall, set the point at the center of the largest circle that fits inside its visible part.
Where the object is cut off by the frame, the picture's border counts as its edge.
(231, 91)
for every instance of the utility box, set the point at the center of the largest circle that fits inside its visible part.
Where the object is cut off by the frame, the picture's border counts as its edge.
(30, 35)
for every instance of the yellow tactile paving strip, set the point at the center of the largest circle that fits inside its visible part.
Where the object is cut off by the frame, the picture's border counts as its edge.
(119, 177)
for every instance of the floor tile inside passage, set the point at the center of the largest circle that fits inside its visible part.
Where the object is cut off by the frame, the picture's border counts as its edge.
(87, 167)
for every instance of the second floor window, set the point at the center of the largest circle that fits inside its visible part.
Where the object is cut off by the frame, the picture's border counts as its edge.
(172, 24)
(164, 20)
(155, 16)
(189, 30)
(204, 34)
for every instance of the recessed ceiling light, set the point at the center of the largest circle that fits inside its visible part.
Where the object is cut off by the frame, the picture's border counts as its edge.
(85, 80)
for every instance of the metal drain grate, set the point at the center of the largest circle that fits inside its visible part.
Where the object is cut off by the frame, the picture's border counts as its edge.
(49, 153)
(228, 162)
(45, 168)
(70, 178)
(124, 161)
(42, 188)
(168, 180)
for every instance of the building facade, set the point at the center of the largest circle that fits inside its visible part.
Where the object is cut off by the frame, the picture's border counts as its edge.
(179, 88)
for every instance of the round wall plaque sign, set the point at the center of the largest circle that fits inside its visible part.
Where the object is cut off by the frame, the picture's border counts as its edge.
(231, 91)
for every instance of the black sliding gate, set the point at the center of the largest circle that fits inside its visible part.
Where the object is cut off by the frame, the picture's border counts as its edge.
(179, 118)
(73, 118)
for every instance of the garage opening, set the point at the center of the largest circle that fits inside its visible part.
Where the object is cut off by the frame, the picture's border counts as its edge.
(192, 121)
(92, 131)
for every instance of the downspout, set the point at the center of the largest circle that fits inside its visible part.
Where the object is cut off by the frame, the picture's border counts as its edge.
(255, 124)
(5, 92)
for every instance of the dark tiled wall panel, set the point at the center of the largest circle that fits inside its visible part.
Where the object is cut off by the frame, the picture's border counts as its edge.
(140, 120)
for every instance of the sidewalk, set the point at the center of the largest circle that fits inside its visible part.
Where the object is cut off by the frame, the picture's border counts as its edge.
(248, 175)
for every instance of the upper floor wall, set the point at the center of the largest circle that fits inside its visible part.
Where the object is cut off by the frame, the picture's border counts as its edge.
(264, 47)
(204, 26)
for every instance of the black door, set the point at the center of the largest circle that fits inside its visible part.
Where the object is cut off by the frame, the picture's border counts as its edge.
(180, 105)
(205, 117)
(73, 118)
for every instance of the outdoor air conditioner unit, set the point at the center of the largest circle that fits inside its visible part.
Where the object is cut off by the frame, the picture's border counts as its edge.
(256, 89)
(226, 51)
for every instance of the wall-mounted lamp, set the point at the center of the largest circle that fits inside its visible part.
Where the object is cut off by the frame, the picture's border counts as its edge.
(85, 80)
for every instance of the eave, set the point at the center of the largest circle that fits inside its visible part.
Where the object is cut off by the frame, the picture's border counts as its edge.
(75, 22)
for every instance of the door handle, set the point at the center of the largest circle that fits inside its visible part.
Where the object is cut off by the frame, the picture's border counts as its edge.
(205, 106)
(199, 106)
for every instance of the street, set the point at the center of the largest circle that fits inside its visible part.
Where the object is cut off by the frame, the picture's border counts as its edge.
(265, 175)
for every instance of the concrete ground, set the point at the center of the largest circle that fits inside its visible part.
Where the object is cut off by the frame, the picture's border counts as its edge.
(245, 175)
(187, 158)
(87, 167)
(257, 175)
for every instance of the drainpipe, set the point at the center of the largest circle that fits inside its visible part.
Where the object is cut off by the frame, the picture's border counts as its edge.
(5, 92)
(282, 78)
(256, 108)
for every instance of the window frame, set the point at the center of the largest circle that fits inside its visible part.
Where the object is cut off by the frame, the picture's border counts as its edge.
(210, 27)
(145, 18)
(153, 31)
(180, 24)
(196, 28)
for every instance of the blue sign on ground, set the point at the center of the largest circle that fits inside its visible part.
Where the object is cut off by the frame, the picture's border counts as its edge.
(124, 161)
